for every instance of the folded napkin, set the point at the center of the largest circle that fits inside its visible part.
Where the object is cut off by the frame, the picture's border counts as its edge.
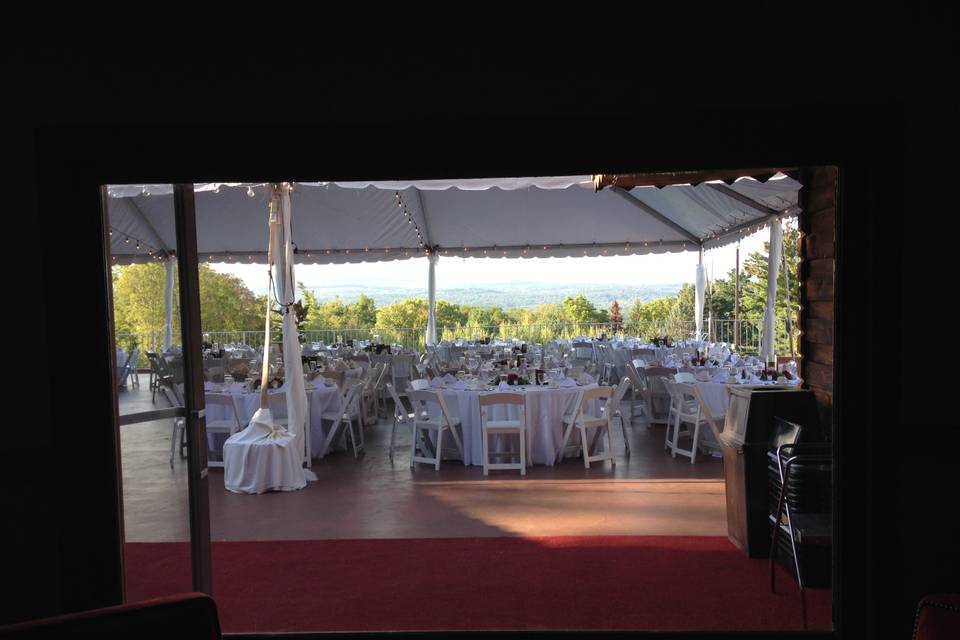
(503, 386)
(436, 382)
(458, 385)
(585, 378)
(567, 382)
(449, 379)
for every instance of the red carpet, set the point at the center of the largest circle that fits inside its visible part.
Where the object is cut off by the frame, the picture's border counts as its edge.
(609, 582)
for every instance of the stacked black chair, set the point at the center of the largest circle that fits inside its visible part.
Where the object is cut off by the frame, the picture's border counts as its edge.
(800, 515)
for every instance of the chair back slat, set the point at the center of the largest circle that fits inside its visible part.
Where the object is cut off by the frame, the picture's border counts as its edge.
(501, 398)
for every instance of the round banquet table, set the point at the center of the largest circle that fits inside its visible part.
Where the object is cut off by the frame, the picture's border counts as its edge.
(543, 410)
(321, 399)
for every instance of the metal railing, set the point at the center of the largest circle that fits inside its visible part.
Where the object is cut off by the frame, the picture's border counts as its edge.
(748, 340)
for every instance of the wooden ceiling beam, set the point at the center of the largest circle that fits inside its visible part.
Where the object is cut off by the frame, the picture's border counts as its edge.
(630, 180)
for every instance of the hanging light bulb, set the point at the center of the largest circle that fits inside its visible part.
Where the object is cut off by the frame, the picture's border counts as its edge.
(250, 192)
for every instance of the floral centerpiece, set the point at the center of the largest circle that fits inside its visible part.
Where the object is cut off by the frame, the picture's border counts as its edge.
(239, 369)
(769, 374)
(377, 348)
(274, 383)
(511, 379)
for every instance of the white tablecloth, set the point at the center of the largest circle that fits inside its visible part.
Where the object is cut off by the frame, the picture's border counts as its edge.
(320, 400)
(543, 409)
(717, 394)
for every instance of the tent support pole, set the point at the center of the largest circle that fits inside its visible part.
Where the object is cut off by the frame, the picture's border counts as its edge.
(736, 303)
(786, 286)
(169, 264)
(431, 337)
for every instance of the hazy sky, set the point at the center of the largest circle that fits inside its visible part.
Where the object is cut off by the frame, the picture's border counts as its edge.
(667, 268)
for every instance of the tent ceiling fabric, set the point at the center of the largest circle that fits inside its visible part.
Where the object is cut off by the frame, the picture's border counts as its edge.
(511, 217)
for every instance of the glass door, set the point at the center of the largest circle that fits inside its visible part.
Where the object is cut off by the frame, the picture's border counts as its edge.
(155, 307)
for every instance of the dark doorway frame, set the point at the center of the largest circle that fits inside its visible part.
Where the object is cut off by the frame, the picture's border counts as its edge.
(76, 161)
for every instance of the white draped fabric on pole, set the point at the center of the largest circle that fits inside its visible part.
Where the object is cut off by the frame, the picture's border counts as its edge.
(768, 339)
(698, 302)
(432, 299)
(297, 406)
(265, 456)
(170, 264)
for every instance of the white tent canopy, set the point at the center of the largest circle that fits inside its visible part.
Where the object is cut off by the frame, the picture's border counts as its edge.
(340, 222)
(561, 216)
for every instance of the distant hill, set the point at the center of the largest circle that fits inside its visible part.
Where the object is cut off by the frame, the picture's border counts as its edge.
(509, 296)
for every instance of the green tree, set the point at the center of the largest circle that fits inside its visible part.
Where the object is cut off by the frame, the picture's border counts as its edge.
(225, 302)
(362, 313)
(616, 318)
(485, 316)
(411, 312)
(450, 315)
(331, 314)
(547, 313)
(579, 310)
(649, 319)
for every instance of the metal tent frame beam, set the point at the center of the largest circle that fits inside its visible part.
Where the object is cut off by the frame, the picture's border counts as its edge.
(643, 206)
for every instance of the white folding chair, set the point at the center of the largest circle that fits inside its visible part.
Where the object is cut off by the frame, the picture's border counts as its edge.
(368, 395)
(614, 410)
(715, 422)
(571, 411)
(228, 426)
(124, 371)
(684, 410)
(608, 373)
(599, 424)
(639, 393)
(400, 417)
(401, 372)
(424, 424)
(343, 420)
(497, 428)
(380, 394)
(658, 394)
(277, 401)
(172, 392)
